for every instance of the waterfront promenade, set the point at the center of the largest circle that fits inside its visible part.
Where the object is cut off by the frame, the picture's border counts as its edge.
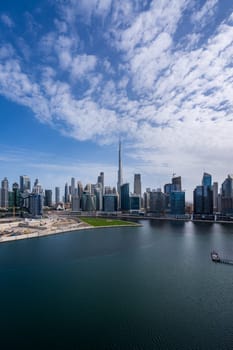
(31, 228)
(17, 229)
(23, 229)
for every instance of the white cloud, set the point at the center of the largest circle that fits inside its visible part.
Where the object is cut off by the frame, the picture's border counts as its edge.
(171, 101)
(207, 11)
(163, 16)
(84, 9)
(7, 20)
(83, 64)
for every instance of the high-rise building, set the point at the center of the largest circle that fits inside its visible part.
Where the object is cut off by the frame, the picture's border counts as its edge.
(207, 180)
(168, 188)
(98, 192)
(87, 188)
(37, 188)
(100, 179)
(137, 184)
(176, 183)
(108, 190)
(120, 177)
(80, 189)
(4, 193)
(215, 197)
(177, 203)
(110, 202)
(66, 194)
(124, 196)
(203, 196)
(36, 204)
(88, 201)
(227, 196)
(175, 186)
(72, 188)
(25, 183)
(227, 187)
(146, 199)
(135, 202)
(198, 200)
(207, 193)
(157, 202)
(75, 203)
(48, 198)
(57, 195)
(16, 194)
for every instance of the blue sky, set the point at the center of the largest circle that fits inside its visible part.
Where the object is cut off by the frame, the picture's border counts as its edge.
(77, 75)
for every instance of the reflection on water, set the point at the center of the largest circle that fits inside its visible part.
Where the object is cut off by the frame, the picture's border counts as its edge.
(150, 287)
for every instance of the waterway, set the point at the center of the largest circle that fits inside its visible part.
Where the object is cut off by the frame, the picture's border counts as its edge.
(149, 287)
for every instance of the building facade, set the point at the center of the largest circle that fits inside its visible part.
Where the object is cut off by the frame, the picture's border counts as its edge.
(25, 183)
(110, 202)
(124, 196)
(227, 196)
(177, 203)
(4, 193)
(48, 198)
(137, 185)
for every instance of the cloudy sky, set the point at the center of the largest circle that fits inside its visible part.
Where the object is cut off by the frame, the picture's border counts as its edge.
(75, 75)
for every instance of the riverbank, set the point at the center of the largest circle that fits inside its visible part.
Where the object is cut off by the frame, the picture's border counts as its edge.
(17, 230)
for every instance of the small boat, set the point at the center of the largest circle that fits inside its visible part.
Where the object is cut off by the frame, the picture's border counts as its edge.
(214, 256)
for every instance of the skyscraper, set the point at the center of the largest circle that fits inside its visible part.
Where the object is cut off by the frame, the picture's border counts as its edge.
(72, 189)
(66, 194)
(215, 196)
(80, 188)
(176, 183)
(177, 203)
(4, 193)
(207, 193)
(227, 196)
(157, 202)
(203, 196)
(206, 180)
(110, 202)
(25, 183)
(100, 179)
(48, 198)
(120, 178)
(36, 204)
(16, 194)
(137, 184)
(98, 192)
(37, 188)
(57, 195)
(125, 199)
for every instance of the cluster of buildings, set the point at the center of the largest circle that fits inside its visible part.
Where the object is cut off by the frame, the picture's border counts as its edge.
(207, 200)
(22, 197)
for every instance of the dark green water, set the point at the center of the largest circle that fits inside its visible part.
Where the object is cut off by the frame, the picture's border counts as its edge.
(150, 287)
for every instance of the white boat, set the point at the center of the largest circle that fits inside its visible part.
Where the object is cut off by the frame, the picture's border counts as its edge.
(214, 256)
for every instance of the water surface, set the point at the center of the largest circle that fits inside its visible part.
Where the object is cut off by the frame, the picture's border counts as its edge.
(150, 287)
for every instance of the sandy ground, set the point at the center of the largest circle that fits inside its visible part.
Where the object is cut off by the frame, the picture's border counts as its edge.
(37, 228)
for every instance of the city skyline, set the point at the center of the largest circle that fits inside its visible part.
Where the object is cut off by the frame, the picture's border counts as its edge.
(76, 78)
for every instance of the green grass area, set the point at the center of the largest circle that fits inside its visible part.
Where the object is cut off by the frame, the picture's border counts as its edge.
(105, 222)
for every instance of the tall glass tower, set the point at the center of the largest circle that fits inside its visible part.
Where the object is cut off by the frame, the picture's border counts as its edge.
(206, 180)
(4, 193)
(120, 178)
(25, 183)
(57, 195)
(137, 184)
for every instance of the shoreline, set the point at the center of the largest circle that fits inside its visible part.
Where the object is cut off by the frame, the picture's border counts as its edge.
(13, 228)
(49, 232)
